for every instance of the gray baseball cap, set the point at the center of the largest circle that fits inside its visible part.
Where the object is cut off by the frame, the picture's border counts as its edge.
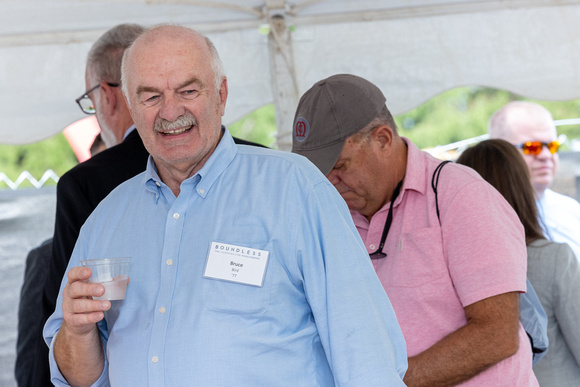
(330, 111)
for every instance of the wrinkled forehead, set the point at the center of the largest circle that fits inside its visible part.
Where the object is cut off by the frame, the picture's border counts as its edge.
(167, 55)
(167, 42)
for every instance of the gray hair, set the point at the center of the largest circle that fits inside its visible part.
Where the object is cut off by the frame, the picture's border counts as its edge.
(384, 118)
(105, 56)
(216, 63)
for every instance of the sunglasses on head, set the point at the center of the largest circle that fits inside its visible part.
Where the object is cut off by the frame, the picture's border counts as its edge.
(534, 148)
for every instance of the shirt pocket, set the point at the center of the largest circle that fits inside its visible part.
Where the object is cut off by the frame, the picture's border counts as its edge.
(418, 259)
(233, 297)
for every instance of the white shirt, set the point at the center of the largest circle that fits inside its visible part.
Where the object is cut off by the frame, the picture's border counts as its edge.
(560, 215)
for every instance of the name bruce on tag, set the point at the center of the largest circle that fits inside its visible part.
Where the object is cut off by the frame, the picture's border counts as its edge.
(236, 264)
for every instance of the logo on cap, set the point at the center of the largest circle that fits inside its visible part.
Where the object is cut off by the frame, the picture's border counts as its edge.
(301, 129)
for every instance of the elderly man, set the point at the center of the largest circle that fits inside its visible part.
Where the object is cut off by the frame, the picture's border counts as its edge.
(451, 256)
(82, 188)
(531, 128)
(304, 306)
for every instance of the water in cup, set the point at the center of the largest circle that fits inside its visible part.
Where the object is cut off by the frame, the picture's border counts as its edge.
(115, 289)
(112, 273)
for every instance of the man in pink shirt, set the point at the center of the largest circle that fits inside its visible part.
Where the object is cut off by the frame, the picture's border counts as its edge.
(453, 262)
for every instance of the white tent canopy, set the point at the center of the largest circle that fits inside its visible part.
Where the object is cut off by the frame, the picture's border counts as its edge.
(274, 50)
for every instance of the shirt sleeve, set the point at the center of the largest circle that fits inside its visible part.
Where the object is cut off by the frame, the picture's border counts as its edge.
(59, 380)
(484, 243)
(354, 317)
(54, 322)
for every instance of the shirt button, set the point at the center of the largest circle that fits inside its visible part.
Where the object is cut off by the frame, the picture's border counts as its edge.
(169, 262)
(176, 216)
(202, 191)
(372, 247)
(162, 310)
(155, 359)
(158, 184)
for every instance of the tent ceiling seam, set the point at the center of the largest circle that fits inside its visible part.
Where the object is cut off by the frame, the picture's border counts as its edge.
(59, 37)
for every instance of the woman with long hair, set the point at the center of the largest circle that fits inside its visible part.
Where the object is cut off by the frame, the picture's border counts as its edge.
(553, 269)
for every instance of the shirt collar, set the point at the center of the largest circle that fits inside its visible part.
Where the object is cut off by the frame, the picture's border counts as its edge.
(128, 132)
(221, 157)
(414, 179)
(204, 179)
(416, 168)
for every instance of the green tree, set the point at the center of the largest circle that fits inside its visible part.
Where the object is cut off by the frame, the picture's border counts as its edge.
(463, 113)
(53, 153)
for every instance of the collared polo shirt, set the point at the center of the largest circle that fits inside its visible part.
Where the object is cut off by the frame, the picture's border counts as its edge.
(433, 271)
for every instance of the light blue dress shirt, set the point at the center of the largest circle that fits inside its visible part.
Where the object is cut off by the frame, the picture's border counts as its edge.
(321, 317)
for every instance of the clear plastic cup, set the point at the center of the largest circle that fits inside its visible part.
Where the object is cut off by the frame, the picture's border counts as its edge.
(112, 273)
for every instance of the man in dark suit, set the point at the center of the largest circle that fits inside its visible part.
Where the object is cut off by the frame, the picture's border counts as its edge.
(81, 189)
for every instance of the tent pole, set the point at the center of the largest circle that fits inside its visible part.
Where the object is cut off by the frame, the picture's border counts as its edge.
(283, 74)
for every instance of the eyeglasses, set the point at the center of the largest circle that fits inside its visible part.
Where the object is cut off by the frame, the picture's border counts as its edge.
(84, 101)
(534, 148)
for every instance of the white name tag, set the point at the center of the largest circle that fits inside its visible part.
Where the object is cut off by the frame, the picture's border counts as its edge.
(236, 264)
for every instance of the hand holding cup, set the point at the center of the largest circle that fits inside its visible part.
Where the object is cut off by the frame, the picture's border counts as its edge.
(112, 273)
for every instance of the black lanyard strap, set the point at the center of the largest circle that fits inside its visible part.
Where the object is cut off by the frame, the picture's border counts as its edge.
(435, 183)
(379, 253)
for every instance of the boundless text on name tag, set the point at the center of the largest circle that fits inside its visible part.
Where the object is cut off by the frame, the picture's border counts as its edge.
(237, 250)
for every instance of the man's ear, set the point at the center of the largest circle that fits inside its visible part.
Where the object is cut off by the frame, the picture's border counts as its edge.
(384, 135)
(223, 95)
(109, 99)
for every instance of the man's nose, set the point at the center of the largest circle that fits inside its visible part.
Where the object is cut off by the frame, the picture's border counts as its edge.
(545, 153)
(171, 108)
(333, 177)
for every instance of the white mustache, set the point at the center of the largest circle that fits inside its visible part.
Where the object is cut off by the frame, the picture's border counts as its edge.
(162, 125)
